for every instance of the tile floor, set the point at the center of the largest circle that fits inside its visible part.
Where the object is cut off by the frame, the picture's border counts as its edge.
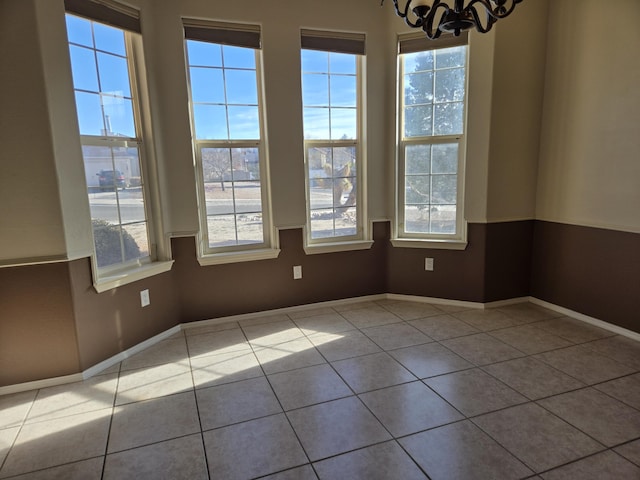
(372, 390)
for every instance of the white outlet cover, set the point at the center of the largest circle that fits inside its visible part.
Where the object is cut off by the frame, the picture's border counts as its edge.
(144, 298)
(428, 264)
(297, 272)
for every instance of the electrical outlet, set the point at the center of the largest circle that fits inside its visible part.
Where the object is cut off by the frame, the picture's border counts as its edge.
(297, 272)
(428, 264)
(144, 298)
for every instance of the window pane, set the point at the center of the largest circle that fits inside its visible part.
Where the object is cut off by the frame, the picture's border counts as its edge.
(316, 123)
(114, 75)
(418, 88)
(118, 116)
(246, 163)
(344, 161)
(109, 39)
(343, 91)
(342, 63)
(248, 195)
(343, 123)
(83, 68)
(138, 233)
(418, 121)
(322, 223)
(250, 229)
(416, 219)
(242, 88)
(443, 189)
(238, 57)
(345, 222)
(244, 123)
(448, 119)
(315, 90)
(131, 205)
(89, 111)
(216, 171)
(443, 219)
(419, 61)
(450, 85)
(207, 85)
(204, 53)
(210, 122)
(417, 159)
(417, 189)
(450, 57)
(79, 31)
(315, 61)
(221, 231)
(320, 161)
(321, 193)
(445, 158)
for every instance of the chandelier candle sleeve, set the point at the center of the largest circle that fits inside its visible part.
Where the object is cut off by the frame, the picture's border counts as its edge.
(435, 17)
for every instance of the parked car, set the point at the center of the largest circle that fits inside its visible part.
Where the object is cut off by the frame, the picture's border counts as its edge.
(111, 179)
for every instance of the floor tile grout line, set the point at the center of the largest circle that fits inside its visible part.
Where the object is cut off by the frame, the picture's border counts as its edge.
(20, 428)
(113, 410)
(195, 397)
(283, 412)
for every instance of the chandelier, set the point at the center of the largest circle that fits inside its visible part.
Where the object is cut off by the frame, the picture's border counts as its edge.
(435, 16)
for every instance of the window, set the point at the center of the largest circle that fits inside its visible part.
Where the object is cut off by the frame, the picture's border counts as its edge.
(432, 103)
(331, 97)
(103, 69)
(225, 86)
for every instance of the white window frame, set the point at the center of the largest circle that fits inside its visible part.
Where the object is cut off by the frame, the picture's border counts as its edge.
(113, 14)
(349, 43)
(268, 248)
(401, 238)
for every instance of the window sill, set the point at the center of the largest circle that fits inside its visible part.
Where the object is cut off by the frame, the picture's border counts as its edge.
(337, 247)
(235, 257)
(431, 243)
(125, 277)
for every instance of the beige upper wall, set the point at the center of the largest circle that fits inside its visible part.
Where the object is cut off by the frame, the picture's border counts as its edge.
(518, 89)
(589, 170)
(44, 210)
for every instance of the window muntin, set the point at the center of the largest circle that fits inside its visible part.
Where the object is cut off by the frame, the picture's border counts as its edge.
(106, 105)
(227, 121)
(331, 115)
(431, 146)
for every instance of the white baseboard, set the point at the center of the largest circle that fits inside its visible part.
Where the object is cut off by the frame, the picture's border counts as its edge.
(44, 383)
(100, 367)
(434, 300)
(110, 362)
(587, 319)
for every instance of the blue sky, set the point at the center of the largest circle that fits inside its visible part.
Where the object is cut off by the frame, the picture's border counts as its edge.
(223, 87)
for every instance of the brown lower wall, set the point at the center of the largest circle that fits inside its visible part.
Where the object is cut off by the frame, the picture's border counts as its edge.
(37, 330)
(53, 323)
(589, 270)
(110, 322)
(222, 290)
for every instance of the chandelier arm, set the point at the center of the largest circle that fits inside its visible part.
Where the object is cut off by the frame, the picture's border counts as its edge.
(476, 17)
(499, 11)
(428, 28)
